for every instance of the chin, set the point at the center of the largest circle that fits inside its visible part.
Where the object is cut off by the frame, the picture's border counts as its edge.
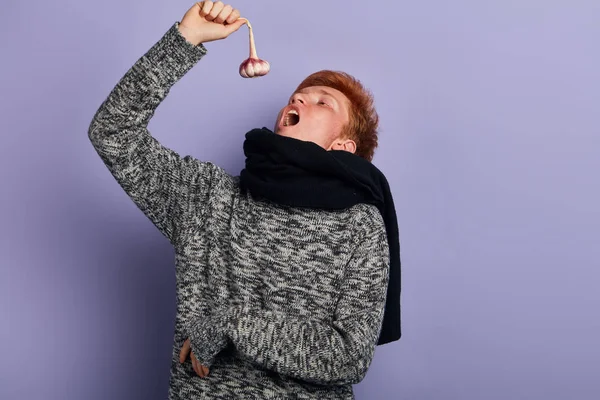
(289, 132)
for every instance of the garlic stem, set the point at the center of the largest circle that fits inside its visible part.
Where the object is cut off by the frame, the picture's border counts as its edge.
(252, 45)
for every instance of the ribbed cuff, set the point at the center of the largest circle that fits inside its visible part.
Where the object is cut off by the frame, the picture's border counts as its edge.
(208, 338)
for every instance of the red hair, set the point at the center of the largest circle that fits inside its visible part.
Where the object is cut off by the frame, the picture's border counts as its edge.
(364, 120)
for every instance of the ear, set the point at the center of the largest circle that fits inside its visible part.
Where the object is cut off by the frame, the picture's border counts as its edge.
(344, 144)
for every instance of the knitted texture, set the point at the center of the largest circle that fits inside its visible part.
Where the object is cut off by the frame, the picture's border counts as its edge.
(279, 302)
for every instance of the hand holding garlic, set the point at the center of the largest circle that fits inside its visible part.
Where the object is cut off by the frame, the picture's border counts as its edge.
(253, 67)
(207, 21)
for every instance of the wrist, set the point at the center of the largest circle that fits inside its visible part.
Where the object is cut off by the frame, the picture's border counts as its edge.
(192, 36)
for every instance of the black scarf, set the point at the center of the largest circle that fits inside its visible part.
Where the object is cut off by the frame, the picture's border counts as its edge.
(297, 173)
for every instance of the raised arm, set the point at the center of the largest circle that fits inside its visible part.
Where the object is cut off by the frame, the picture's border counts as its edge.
(161, 182)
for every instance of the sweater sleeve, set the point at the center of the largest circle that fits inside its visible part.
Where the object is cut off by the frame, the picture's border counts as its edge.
(335, 352)
(157, 179)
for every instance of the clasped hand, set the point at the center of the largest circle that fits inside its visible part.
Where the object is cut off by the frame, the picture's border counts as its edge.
(207, 337)
(186, 350)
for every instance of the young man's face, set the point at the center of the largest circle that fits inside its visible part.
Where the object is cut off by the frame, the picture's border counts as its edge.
(317, 114)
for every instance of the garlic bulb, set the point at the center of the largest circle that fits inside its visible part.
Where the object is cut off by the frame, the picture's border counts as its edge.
(253, 67)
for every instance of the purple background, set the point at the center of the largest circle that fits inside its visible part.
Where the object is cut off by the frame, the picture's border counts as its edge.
(489, 139)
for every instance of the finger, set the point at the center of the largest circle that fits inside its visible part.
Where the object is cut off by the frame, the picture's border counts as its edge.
(206, 7)
(224, 14)
(235, 14)
(204, 370)
(195, 365)
(198, 367)
(214, 12)
(235, 26)
(184, 351)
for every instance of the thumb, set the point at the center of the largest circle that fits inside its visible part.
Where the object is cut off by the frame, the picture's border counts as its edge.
(235, 26)
(185, 350)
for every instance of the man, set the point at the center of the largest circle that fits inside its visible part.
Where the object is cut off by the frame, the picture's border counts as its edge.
(287, 275)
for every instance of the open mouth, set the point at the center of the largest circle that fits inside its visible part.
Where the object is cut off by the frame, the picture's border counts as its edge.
(291, 118)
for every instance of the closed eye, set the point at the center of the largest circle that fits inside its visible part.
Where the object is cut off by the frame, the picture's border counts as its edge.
(322, 103)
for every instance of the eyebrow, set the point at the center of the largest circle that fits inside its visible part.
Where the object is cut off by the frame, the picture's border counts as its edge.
(323, 91)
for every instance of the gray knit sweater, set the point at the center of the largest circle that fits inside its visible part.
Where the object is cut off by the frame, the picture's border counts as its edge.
(280, 302)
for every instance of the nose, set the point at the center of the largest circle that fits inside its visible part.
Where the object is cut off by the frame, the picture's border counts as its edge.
(297, 98)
